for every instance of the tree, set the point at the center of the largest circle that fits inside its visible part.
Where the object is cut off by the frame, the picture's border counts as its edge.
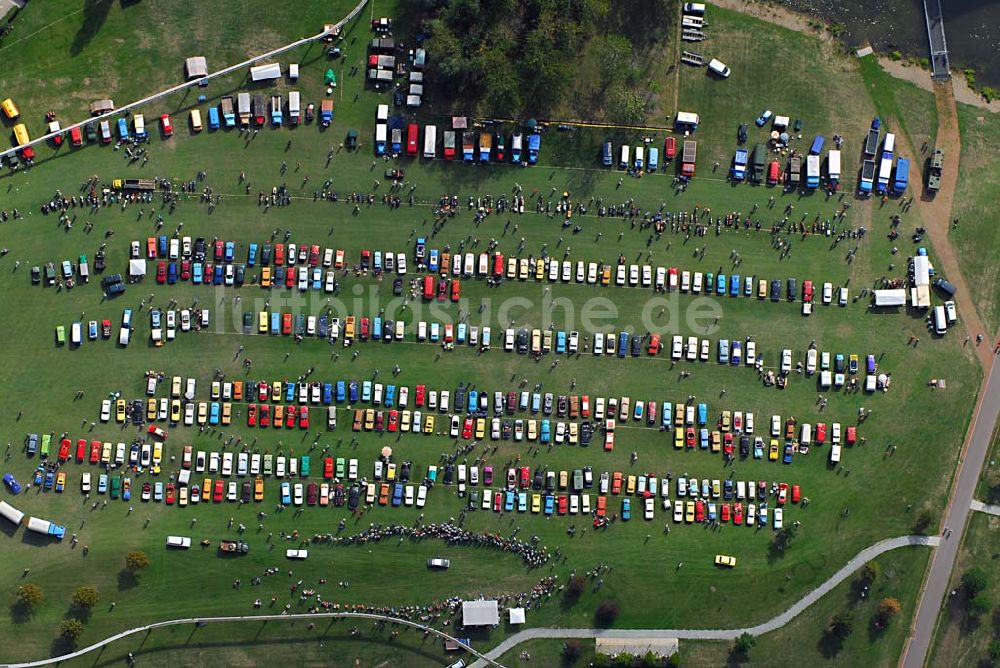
(30, 595)
(71, 629)
(870, 573)
(571, 650)
(924, 521)
(85, 597)
(842, 624)
(607, 611)
(887, 609)
(576, 586)
(136, 561)
(744, 643)
(974, 581)
(978, 605)
(994, 650)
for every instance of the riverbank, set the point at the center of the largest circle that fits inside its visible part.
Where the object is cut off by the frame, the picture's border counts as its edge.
(897, 68)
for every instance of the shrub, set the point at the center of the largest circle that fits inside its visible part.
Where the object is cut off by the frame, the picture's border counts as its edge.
(136, 561)
(71, 629)
(85, 597)
(744, 643)
(30, 595)
(887, 609)
(842, 624)
(571, 650)
(576, 586)
(974, 581)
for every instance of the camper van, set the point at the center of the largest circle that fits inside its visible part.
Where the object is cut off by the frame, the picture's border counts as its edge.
(196, 120)
(623, 161)
(940, 320)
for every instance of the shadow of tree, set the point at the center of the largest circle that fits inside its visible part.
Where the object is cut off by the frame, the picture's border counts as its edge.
(830, 644)
(126, 579)
(61, 645)
(95, 12)
(20, 613)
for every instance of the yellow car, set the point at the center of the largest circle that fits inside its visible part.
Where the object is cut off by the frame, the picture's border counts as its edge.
(512, 267)
(202, 412)
(106, 453)
(563, 479)
(606, 275)
(539, 269)
(262, 321)
(150, 409)
(536, 503)
(120, 410)
(265, 278)
(405, 419)
(481, 428)
(61, 481)
(630, 485)
(369, 419)
(429, 424)
(227, 413)
(522, 272)
(279, 416)
(276, 390)
(390, 472)
(679, 437)
(725, 560)
(716, 441)
(772, 452)
(689, 512)
(175, 387)
(727, 418)
(258, 489)
(532, 429)
(175, 410)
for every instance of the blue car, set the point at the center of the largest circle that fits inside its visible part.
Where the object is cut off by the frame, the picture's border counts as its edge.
(397, 494)
(432, 261)
(12, 484)
(252, 255)
(637, 411)
(341, 391)
(230, 251)
(508, 503)
(286, 493)
(703, 438)
(390, 396)
(354, 391)
(161, 245)
(377, 261)
(460, 332)
(327, 393)
(376, 327)
(720, 284)
(197, 272)
(734, 285)
(289, 392)
(758, 448)
(172, 273)
(550, 503)
(214, 412)
(275, 322)
(787, 458)
(762, 514)
(50, 478)
(703, 414)
(626, 509)
(92, 330)
(666, 415)
(561, 342)
(546, 432)
(536, 402)
(736, 355)
(622, 344)
(366, 391)
(473, 401)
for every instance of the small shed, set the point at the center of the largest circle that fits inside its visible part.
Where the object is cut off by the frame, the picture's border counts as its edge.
(516, 615)
(459, 122)
(101, 107)
(480, 613)
(196, 67)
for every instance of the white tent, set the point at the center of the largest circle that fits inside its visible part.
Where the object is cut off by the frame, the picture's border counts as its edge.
(517, 615)
(921, 270)
(265, 72)
(480, 613)
(895, 297)
(136, 269)
(196, 67)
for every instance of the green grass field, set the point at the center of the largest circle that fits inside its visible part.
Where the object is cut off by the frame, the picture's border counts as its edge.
(42, 378)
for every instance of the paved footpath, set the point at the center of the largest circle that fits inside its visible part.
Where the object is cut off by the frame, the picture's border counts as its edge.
(988, 508)
(772, 624)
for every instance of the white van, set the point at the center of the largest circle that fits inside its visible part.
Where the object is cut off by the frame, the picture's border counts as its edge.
(719, 68)
(951, 312)
(383, 113)
(151, 385)
(835, 453)
(805, 434)
(940, 320)
(695, 8)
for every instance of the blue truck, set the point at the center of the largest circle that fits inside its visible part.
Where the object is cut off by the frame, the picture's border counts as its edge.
(739, 170)
(902, 175)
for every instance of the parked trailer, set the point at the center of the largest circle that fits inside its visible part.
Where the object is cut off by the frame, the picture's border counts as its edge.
(606, 159)
(871, 143)
(468, 146)
(11, 513)
(759, 158)
(430, 142)
(902, 176)
(228, 117)
(689, 155)
(833, 167)
(381, 130)
(46, 527)
(449, 144)
(294, 107)
(243, 108)
(794, 171)
(485, 146)
(534, 145)
(867, 181)
(812, 171)
(326, 113)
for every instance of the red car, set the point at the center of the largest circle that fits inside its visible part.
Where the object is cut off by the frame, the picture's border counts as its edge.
(170, 493)
(852, 435)
(699, 511)
(821, 433)
(161, 272)
(782, 493)
(585, 405)
(651, 412)
(95, 452)
(379, 421)
(563, 504)
(265, 415)
(690, 437)
(393, 421)
(467, 428)
(252, 415)
(313, 255)
(738, 514)
(286, 323)
(312, 494)
(796, 493)
(185, 269)
(727, 444)
(168, 128)
(81, 449)
(807, 291)
(217, 491)
(497, 501)
(290, 278)
(670, 148)
(525, 477)
(220, 250)
(328, 468)
(420, 395)
(442, 290)
(151, 248)
(264, 390)
(365, 328)
(456, 290)
(279, 254)
(725, 512)
(304, 417)
(64, 446)
(290, 414)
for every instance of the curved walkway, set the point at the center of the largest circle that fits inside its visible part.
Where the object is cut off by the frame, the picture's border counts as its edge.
(251, 618)
(772, 624)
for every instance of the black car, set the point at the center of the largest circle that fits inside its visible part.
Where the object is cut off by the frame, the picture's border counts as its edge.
(240, 274)
(199, 249)
(522, 341)
(247, 322)
(398, 98)
(353, 497)
(449, 473)
(99, 261)
(586, 433)
(460, 398)
(404, 473)
(776, 290)
(562, 406)
(547, 404)
(741, 133)
(36, 275)
(138, 411)
(744, 446)
(636, 345)
(792, 292)
(397, 287)
(507, 430)
(338, 495)
(310, 112)
(247, 492)
(90, 131)
(265, 255)
(538, 480)
(388, 329)
(474, 500)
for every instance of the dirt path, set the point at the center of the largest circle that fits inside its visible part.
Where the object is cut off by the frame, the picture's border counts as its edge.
(921, 78)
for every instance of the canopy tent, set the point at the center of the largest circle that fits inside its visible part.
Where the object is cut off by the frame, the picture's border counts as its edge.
(265, 72)
(480, 613)
(517, 615)
(136, 269)
(196, 67)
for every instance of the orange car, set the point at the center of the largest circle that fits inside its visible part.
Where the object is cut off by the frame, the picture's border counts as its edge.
(383, 494)
(616, 483)
(602, 506)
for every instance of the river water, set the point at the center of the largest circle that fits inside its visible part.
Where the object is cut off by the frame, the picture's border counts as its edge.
(972, 28)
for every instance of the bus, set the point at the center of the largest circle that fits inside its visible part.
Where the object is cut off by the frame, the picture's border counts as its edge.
(430, 142)
(411, 138)
(21, 138)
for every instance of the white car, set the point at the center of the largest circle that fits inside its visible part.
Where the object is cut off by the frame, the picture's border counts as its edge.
(647, 276)
(705, 352)
(574, 342)
(592, 273)
(421, 496)
(213, 462)
(827, 293)
(227, 464)
(778, 518)
(786, 361)
(751, 352)
(105, 410)
(696, 287)
(843, 297)
(835, 433)
(297, 494)
(581, 274)
(775, 426)
(677, 347)
(508, 339)
(685, 281)
(648, 512)
(692, 348)
(456, 423)
(633, 275)
(567, 271)
(85, 482)
(296, 554)
(598, 343)
(620, 275)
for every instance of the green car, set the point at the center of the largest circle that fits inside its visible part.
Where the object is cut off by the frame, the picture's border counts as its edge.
(60, 334)
(304, 466)
(116, 486)
(340, 467)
